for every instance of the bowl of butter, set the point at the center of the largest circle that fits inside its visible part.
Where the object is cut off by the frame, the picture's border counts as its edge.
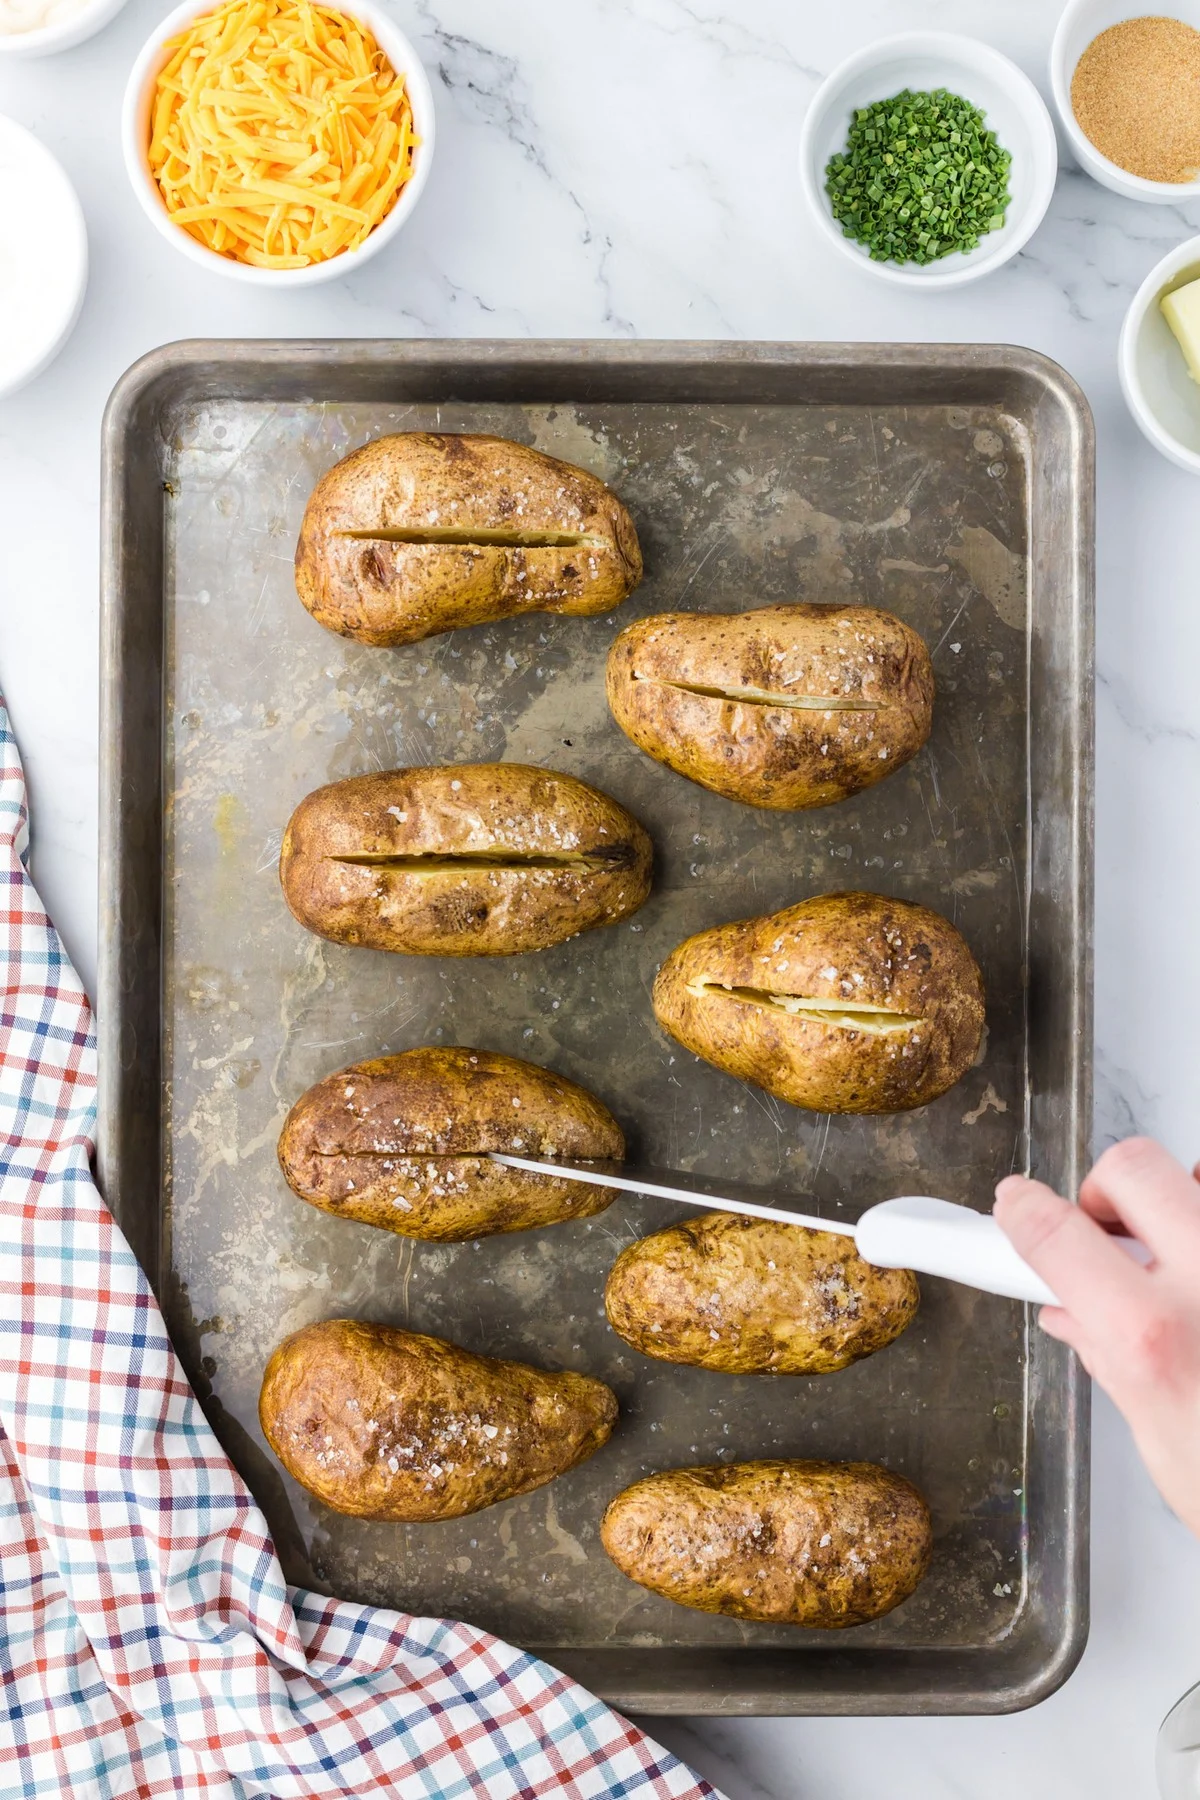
(1159, 358)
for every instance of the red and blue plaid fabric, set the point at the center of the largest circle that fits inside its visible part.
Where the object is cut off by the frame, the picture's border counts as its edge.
(148, 1643)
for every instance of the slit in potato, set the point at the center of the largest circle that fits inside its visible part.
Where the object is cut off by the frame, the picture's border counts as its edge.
(475, 537)
(751, 696)
(424, 1157)
(466, 862)
(847, 1015)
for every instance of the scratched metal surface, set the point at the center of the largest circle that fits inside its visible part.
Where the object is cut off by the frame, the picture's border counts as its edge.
(919, 510)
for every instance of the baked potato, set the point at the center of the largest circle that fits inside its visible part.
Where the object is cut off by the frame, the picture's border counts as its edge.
(788, 1543)
(469, 859)
(401, 1142)
(386, 1424)
(846, 1003)
(748, 1296)
(784, 707)
(427, 531)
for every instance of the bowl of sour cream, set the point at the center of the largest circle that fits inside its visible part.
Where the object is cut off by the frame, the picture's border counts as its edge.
(43, 257)
(40, 27)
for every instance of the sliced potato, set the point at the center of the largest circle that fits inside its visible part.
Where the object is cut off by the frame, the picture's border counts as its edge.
(784, 706)
(747, 1296)
(788, 1543)
(402, 1142)
(846, 1003)
(424, 532)
(386, 1424)
(467, 859)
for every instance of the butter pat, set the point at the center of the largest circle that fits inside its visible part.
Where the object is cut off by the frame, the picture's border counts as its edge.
(1181, 310)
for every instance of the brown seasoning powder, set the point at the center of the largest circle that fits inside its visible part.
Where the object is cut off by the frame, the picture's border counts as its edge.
(1136, 95)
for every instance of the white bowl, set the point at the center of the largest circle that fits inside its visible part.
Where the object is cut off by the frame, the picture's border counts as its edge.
(64, 35)
(1011, 105)
(135, 134)
(1158, 390)
(43, 257)
(1080, 23)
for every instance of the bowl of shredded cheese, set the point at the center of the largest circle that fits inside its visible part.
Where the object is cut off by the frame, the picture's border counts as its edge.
(278, 141)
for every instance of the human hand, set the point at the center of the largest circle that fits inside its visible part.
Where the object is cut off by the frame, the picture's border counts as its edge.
(1135, 1328)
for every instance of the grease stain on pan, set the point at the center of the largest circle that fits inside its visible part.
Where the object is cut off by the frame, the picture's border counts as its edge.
(997, 571)
(559, 431)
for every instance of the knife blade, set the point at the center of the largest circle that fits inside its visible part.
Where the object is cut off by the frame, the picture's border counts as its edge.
(914, 1231)
(718, 1195)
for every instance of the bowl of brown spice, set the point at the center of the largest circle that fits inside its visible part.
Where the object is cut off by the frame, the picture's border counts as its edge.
(1127, 87)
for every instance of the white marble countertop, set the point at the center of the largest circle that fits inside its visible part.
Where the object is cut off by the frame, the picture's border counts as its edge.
(627, 167)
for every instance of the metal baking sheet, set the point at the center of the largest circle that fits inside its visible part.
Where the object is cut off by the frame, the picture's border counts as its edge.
(950, 484)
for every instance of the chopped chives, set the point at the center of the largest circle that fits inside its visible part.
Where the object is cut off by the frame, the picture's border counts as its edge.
(916, 160)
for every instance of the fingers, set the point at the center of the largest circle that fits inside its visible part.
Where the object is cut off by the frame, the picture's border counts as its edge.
(1154, 1197)
(1099, 1207)
(1136, 1330)
(1095, 1281)
(1058, 1323)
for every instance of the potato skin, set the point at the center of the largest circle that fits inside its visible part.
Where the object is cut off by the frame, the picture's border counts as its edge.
(386, 1424)
(787, 1543)
(749, 1297)
(384, 592)
(774, 756)
(401, 1142)
(849, 948)
(483, 811)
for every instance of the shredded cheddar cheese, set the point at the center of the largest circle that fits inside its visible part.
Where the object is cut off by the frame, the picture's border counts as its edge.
(280, 134)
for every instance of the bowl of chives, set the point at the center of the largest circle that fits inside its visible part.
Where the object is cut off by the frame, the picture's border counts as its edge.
(973, 159)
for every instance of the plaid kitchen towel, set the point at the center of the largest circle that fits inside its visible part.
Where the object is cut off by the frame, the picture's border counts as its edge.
(148, 1642)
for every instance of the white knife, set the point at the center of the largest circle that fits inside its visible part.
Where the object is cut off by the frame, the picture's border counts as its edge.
(934, 1237)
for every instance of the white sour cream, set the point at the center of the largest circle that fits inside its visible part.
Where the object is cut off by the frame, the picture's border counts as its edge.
(33, 15)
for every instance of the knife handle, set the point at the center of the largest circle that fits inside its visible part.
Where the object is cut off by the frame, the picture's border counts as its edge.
(935, 1237)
